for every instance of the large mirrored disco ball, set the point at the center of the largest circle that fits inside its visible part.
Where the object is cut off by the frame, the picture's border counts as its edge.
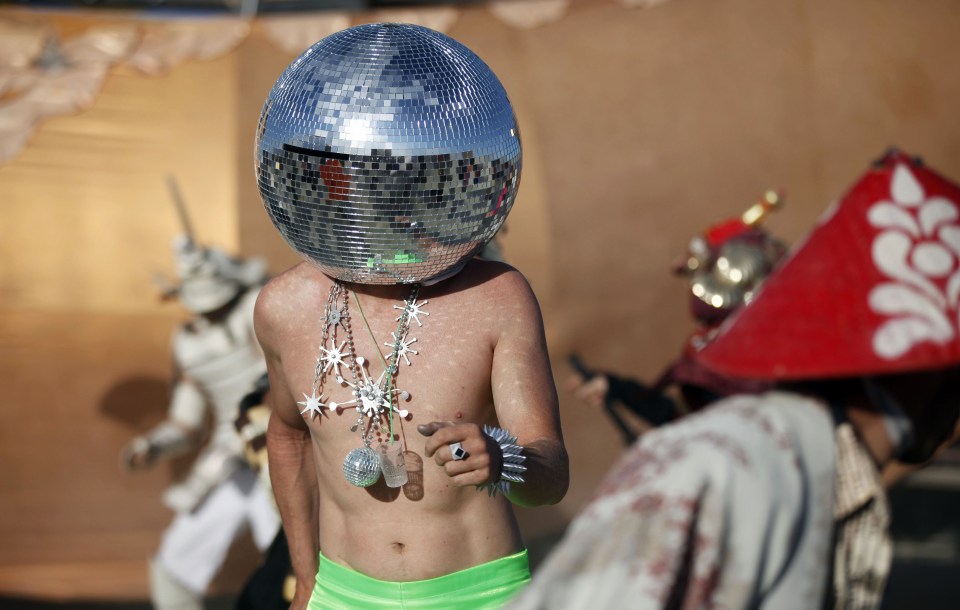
(388, 153)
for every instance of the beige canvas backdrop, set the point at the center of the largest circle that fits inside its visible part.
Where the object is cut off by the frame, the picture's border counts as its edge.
(640, 128)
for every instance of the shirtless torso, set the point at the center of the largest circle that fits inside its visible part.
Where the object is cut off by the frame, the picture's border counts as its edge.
(481, 359)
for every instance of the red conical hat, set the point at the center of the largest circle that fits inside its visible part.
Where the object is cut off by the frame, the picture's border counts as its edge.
(873, 289)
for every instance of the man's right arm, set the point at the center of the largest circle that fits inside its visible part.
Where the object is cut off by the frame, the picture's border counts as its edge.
(290, 458)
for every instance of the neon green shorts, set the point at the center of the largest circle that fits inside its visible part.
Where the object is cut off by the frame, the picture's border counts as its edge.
(488, 585)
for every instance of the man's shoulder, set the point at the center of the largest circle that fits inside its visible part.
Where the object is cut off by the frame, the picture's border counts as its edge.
(302, 278)
(494, 277)
(784, 409)
(764, 404)
(285, 295)
(749, 429)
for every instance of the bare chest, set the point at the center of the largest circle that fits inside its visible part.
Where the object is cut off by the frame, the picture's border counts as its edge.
(435, 368)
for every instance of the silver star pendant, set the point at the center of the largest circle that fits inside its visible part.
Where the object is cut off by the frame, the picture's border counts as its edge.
(413, 309)
(370, 397)
(333, 358)
(335, 317)
(401, 347)
(313, 405)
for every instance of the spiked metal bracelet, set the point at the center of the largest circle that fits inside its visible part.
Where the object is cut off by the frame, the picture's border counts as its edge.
(511, 461)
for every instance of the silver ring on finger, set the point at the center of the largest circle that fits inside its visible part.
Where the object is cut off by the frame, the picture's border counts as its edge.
(457, 451)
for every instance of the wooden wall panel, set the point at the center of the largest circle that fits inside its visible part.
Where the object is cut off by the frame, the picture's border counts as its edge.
(86, 212)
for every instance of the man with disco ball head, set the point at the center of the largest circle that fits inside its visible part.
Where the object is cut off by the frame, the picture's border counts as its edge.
(413, 401)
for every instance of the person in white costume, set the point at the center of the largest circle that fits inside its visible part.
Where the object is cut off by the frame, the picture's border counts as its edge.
(218, 362)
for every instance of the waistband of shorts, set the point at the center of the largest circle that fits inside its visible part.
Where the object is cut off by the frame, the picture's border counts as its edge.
(513, 568)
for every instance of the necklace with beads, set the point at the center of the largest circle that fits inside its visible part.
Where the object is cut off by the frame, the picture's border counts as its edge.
(375, 401)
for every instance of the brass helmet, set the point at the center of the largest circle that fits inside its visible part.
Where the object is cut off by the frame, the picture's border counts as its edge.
(728, 262)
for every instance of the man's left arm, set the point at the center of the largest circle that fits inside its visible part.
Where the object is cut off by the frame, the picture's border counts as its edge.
(526, 405)
(525, 396)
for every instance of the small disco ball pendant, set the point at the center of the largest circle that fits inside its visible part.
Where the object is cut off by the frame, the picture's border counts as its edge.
(362, 467)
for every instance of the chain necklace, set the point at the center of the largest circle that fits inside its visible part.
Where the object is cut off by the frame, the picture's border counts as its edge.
(374, 400)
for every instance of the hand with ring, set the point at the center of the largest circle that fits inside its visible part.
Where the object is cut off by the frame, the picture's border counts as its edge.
(463, 451)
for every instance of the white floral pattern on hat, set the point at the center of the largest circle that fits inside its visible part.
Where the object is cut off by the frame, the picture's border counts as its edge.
(919, 250)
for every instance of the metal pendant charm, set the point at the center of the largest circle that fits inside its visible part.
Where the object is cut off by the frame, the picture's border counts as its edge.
(361, 467)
